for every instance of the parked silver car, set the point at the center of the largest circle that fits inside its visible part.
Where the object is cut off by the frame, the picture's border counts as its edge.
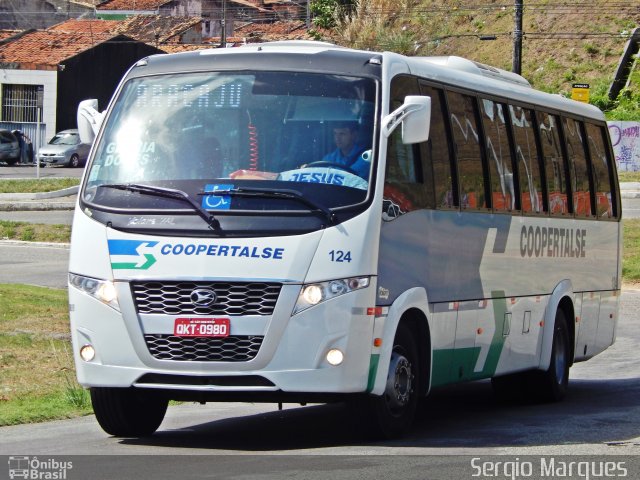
(64, 148)
(9, 147)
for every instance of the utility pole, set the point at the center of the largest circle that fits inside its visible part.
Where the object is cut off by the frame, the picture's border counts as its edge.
(517, 38)
(223, 24)
(308, 14)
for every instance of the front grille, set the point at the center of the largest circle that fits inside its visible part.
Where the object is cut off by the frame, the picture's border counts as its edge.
(174, 298)
(204, 349)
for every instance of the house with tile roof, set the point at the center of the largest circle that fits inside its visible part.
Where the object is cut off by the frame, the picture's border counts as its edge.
(154, 29)
(44, 74)
(212, 12)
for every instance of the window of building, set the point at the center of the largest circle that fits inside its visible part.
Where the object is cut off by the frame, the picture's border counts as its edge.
(22, 103)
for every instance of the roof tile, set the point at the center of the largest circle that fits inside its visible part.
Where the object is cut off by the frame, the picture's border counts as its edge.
(132, 5)
(47, 49)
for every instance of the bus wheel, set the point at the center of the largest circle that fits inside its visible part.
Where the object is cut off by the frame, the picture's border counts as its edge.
(392, 413)
(551, 385)
(125, 412)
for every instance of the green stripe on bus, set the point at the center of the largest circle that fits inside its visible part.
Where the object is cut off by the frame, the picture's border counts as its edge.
(447, 362)
(373, 369)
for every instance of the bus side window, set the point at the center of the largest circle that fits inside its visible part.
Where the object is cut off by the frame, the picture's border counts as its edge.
(407, 186)
(554, 167)
(602, 168)
(498, 155)
(467, 150)
(578, 168)
(437, 153)
(526, 153)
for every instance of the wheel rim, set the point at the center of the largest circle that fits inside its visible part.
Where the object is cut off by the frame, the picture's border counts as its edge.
(399, 388)
(560, 358)
(74, 161)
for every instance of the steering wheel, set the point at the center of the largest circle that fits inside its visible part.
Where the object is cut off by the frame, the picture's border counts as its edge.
(324, 163)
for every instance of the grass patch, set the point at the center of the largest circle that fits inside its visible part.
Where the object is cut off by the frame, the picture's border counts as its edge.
(37, 185)
(629, 176)
(37, 379)
(34, 232)
(631, 255)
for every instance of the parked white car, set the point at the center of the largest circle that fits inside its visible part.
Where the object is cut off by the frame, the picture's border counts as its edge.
(65, 148)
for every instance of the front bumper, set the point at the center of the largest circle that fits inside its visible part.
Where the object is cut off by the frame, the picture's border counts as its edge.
(291, 358)
(53, 159)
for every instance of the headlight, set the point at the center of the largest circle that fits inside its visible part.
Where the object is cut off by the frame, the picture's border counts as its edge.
(102, 290)
(315, 293)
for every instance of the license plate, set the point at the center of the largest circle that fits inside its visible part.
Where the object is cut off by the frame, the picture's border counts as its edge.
(202, 327)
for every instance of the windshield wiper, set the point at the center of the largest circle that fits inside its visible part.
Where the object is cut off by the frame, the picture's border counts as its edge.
(167, 193)
(276, 193)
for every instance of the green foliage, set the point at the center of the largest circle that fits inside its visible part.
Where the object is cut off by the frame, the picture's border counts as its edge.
(37, 186)
(629, 176)
(591, 49)
(328, 13)
(631, 255)
(626, 107)
(34, 232)
(323, 12)
(36, 366)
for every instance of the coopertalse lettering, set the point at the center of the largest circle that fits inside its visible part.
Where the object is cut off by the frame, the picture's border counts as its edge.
(214, 250)
(553, 242)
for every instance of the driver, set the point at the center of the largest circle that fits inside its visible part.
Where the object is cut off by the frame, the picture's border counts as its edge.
(348, 151)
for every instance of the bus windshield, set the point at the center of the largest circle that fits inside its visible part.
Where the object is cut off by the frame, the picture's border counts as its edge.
(204, 132)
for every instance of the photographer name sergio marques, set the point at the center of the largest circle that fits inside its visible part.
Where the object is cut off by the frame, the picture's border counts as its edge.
(549, 467)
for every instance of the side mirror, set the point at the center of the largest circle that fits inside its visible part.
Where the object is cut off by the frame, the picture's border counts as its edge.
(414, 115)
(89, 120)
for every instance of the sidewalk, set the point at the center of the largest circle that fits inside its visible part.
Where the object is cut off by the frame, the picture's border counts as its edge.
(630, 190)
(66, 199)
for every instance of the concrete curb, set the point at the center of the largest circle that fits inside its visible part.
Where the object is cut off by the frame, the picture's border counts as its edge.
(23, 243)
(35, 206)
(57, 200)
(20, 197)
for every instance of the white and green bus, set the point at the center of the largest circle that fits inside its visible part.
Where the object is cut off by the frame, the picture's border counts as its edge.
(299, 222)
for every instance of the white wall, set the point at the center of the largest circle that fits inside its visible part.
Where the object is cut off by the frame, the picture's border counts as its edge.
(47, 78)
(625, 138)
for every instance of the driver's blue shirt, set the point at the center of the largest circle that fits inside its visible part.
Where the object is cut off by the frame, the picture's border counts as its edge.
(353, 160)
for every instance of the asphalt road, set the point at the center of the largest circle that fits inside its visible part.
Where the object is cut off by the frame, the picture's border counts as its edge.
(631, 207)
(31, 171)
(34, 263)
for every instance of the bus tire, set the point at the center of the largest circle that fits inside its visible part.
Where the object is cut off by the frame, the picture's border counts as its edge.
(391, 414)
(552, 384)
(125, 412)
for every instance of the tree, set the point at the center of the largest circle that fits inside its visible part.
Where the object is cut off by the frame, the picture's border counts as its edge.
(326, 13)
